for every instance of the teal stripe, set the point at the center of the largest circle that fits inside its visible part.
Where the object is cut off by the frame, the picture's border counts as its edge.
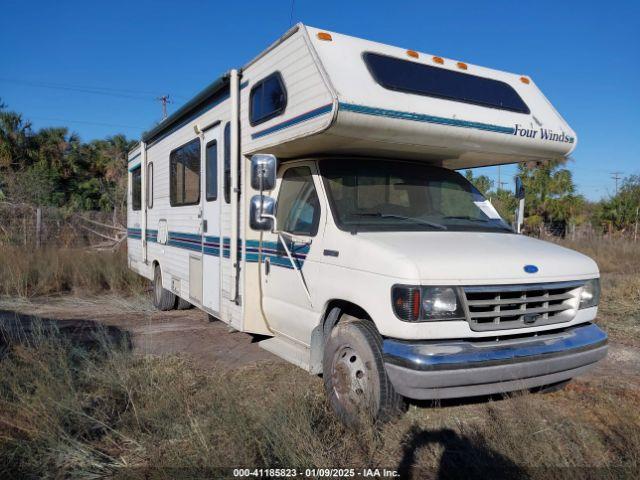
(294, 121)
(419, 117)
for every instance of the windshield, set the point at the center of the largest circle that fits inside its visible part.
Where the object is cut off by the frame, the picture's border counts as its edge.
(377, 195)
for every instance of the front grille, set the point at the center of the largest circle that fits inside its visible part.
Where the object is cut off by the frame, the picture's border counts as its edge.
(500, 307)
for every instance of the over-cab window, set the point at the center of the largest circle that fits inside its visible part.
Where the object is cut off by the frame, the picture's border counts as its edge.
(412, 77)
(268, 99)
(298, 210)
(184, 174)
(136, 188)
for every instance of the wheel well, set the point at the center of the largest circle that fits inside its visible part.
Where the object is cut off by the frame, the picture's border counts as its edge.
(329, 321)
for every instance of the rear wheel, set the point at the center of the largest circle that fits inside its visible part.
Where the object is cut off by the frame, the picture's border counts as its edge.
(355, 379)
(162, 299)
(182, 304)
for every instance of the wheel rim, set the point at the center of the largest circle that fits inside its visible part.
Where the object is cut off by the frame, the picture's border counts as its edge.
(350, 379)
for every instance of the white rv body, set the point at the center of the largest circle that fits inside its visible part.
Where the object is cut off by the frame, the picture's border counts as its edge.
(334, 108)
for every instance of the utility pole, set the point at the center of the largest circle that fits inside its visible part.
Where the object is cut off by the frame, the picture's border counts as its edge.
(499, 179)
(164, 100)
(616, 176)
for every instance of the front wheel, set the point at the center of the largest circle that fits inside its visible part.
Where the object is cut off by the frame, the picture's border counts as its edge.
(355, 379)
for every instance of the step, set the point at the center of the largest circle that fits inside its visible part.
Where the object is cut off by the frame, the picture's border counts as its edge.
(288, 350)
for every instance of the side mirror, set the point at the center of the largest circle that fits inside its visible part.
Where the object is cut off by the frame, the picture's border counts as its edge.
(263, 172)
(519, 188)
(261, 213)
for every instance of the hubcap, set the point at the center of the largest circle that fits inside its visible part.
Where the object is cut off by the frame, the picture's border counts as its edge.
(350, 378)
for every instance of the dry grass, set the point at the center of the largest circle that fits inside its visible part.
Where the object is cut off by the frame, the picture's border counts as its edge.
(86, 409)
(27, 273)
(90, 407)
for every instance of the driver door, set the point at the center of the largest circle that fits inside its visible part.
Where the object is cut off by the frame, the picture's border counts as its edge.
(287, 284)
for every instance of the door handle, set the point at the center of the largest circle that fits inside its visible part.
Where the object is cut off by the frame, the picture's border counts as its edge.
(267, 266)
(204, 226)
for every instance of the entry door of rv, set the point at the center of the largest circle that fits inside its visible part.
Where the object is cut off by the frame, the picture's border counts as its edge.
(210, 227)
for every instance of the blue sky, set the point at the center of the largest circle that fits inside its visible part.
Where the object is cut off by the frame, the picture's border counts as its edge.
(585, 56)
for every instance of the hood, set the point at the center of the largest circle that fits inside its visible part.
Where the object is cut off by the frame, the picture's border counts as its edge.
(459, 258)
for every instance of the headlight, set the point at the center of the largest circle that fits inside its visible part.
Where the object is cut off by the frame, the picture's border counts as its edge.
(415, 304)
(590, 293)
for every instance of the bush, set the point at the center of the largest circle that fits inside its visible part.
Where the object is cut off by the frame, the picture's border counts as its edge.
(27, 273)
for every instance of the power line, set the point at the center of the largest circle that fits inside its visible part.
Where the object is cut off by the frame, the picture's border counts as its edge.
(106, 91)
(49, 119)
(616, 176)
(293, 2)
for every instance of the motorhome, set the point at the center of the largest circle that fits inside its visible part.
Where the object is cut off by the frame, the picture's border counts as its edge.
(312, 197)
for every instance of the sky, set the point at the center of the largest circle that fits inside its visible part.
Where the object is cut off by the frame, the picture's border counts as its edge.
(98, 67)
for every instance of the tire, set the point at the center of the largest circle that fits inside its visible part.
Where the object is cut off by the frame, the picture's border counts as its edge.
(182, 304)
(162, 299)
(355, 380)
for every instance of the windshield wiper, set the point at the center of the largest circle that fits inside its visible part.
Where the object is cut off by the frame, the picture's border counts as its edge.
(401, 217)
(506, 228)
(466, 217)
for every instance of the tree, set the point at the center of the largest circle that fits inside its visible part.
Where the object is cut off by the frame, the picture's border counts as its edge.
(52, 166)
(620, 212)
(550, 194)
(483, 183)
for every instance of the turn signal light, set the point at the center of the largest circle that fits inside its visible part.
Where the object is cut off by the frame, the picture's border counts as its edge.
(439, 60)
(324, 36)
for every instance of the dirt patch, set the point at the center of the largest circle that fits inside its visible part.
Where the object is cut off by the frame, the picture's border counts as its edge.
(183, 332)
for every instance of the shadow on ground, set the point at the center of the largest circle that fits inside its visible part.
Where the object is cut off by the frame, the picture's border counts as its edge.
(17, 328)
(462, 457)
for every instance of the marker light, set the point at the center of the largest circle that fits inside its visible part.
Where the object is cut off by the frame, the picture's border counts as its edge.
(324, 36)
(438, 60)
(462, 65)
(412, 53)
(525, 80)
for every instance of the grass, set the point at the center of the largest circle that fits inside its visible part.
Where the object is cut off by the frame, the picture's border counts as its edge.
(88, 408)
(79, 403)
(29, 273)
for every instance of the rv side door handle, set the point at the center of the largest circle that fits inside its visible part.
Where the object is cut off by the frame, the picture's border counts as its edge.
(204, 226)
(267, 266)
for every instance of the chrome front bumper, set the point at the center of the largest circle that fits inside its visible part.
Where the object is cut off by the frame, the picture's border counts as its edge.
(464, 368)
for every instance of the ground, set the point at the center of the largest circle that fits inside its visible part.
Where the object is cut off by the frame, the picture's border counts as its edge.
(212, 344)
(196, 396)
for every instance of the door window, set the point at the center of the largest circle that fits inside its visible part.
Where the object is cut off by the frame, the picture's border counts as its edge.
(212, 170)
(298, 207)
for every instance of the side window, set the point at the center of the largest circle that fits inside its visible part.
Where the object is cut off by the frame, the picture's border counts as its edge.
(298, 207)
(212, 170)
(150, 185)
(136, 188)
(184, 174)
(268, 99)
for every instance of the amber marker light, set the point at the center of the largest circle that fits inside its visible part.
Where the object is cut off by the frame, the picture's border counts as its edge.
(525, 80)
(324, 36)
(462, 65)
(413, 53)
(438, 60)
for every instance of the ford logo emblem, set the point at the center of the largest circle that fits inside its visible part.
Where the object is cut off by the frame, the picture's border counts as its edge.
(531, 269)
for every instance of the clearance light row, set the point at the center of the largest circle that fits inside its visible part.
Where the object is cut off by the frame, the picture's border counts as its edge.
(413, 54)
